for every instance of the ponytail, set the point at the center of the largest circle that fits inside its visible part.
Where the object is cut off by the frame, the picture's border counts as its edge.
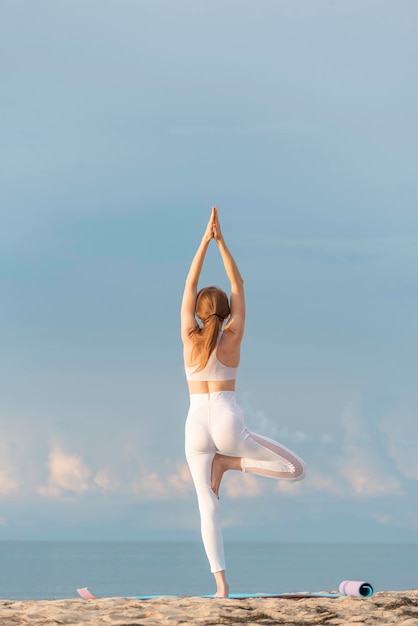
(212, 307)
(208, 337)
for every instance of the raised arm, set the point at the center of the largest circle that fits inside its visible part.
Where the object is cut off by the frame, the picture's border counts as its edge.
(187, 315)
(237, 300)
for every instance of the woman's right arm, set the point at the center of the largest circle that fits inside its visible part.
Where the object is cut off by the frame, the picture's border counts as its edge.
(237, 300)
(187, 314)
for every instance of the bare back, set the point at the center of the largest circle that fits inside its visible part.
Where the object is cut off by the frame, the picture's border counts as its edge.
(228, 353)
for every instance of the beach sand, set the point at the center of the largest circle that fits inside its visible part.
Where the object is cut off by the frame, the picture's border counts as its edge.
(400, 608)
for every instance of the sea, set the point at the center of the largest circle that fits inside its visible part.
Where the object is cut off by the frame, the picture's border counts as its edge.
(42, 570)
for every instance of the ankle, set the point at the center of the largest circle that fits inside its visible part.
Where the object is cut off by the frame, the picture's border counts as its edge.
(222, 591)
(222, 587)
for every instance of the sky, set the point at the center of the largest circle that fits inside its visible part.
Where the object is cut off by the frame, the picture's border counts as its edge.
(121, 124)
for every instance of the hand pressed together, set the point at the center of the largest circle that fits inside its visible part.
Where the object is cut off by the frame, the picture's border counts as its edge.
(213, 229)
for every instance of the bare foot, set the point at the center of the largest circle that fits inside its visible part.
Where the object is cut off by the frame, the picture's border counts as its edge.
(219, 467)
(220, 464)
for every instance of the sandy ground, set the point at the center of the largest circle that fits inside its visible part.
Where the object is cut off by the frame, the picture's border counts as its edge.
(400, 608)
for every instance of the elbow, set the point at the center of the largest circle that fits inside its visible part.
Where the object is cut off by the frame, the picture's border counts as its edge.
(239, 283)
(190, 282)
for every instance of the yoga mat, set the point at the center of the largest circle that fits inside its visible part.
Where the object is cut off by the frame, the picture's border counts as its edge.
(359, 588)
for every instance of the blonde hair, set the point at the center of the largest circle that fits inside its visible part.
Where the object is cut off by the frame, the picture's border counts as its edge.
(212, 308)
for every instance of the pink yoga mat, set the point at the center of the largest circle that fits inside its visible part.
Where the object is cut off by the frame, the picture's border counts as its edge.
(358, 588)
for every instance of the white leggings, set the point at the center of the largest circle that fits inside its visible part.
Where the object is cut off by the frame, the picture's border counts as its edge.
(215, 424)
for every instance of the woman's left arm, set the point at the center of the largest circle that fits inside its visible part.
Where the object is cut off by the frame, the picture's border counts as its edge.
(187, 314)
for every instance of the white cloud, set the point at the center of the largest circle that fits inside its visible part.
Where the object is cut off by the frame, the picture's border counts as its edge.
(8, 481)
(172, 483)
(150, 487)
(401, 431)
(290, 487)
(366, 476)
(316, 479)
(362, 464)
(241, 485)
(181, 480)
(106, 480)
(67, 473)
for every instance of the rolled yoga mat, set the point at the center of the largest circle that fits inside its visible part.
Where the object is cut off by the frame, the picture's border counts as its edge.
(358, 588)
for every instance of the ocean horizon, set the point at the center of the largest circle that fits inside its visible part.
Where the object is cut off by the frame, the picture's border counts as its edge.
(42, 570)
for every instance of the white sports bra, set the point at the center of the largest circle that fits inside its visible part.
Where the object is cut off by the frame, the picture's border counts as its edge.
(214, 370)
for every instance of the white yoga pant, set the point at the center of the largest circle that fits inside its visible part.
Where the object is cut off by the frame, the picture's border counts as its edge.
(215, 424)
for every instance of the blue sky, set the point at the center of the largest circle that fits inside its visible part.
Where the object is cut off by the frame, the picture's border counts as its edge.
(121, 124)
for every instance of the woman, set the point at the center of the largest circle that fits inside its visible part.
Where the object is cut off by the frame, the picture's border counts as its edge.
(217, 439)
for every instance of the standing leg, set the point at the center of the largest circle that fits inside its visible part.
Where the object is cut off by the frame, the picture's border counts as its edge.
(200, 450)
(200, 467)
